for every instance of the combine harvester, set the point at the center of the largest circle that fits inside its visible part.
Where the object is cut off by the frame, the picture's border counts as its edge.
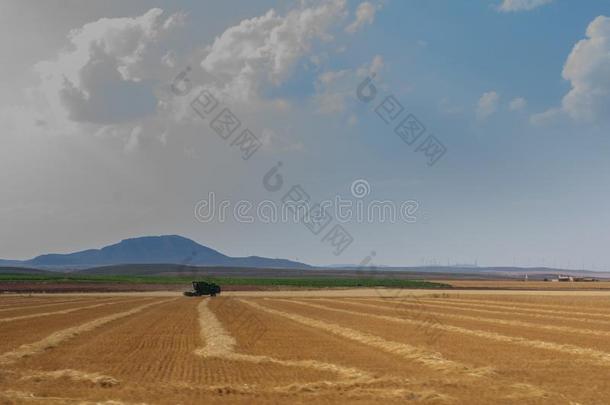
(201, 288)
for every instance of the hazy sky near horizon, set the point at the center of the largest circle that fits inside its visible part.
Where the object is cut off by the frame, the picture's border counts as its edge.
(95, 147)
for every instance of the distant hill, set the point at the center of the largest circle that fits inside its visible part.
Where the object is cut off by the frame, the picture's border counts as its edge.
(179, 254)
(167, 249)
(22, 270)
(498, 271)
(10, 263)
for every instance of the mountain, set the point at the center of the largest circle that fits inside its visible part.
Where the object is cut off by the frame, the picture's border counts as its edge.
(166, 249)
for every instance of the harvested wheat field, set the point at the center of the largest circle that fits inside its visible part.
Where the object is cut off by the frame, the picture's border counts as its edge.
(528, 285)
(345, 346)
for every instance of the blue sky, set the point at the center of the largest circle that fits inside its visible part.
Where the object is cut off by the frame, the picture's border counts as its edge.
(524, 180)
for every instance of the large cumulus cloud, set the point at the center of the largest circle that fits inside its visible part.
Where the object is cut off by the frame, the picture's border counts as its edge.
(588, 70)
(264, 50)
(107, 75)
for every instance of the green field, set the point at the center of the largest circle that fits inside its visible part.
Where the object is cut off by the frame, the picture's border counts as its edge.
(312, 282)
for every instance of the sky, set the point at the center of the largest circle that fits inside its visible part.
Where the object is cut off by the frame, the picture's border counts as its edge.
(106, 133)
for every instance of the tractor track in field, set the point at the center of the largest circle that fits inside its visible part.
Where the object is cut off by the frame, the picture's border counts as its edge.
(63, 311)
(279, 348)
(218, 343)
(71, 375)
(23, 397)
(430, 359)
(61, 336)
(591, 355)
(495, 321)
(48, 304)
(466, 307)
(534, 308)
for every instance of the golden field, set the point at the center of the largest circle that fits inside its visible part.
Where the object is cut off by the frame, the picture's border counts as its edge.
(529, 285)
(333, 346)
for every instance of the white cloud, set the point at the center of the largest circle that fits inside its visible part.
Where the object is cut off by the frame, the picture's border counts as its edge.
(134, 139)
(264, 51)
(105, 75)
(365, 14)
(521, 5)
(547, 117)
(169, 59)
(448, 107)
(377, 64)
(331, 91)
(111, 79)
(332, 76)
(487, 105)
(330, 102)
(334, 88)
(275, 143)
(588, 70)
(97, 153)
(517, 104)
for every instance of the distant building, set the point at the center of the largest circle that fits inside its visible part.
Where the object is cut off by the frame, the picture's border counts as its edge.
(567, 278)
(585, 279)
